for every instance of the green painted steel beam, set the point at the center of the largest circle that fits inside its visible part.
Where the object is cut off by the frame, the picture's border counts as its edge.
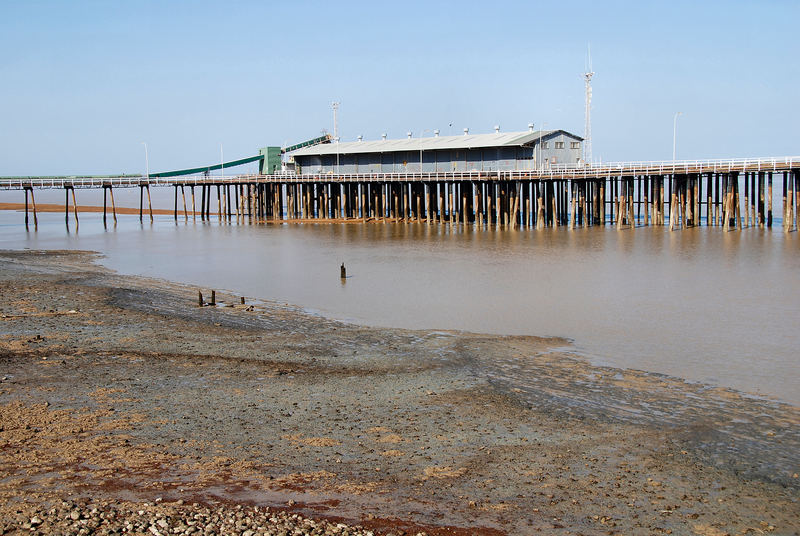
(316, 141)
(192, 171)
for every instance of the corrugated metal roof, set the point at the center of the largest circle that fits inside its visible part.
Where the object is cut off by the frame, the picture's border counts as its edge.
(470, 141)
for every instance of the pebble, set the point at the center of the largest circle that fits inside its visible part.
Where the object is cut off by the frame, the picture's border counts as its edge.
(163, 518)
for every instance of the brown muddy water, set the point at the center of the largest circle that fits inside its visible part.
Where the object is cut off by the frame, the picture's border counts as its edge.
(699, 304)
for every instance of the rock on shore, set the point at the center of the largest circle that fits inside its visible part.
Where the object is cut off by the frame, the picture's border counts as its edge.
(161, 519)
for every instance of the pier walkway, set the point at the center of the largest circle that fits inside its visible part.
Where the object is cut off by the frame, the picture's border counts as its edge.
(732, 194)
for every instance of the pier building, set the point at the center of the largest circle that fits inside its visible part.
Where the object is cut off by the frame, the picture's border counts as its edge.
(498, 151)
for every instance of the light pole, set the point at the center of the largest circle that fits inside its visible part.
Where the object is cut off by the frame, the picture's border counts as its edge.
(221, 162)
(146, 162)
(675, 133)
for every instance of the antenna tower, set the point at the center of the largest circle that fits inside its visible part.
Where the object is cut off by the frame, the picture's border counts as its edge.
(335, 122)
(587, 135)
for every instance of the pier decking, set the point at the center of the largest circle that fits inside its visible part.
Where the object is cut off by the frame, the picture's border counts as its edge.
(731, 194)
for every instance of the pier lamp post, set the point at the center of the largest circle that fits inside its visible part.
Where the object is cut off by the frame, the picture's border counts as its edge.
(146, 162)
(675, 133)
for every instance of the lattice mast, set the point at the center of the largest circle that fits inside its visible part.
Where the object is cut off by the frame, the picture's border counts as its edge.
(587, 134)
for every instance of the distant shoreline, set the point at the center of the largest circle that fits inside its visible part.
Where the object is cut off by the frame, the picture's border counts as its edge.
(54, 207)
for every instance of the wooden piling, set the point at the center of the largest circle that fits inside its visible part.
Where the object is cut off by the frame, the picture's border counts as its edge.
(149, 203)
(219, 204)
(796, 218)
(738, 211)
(74, 205)
(113, 204)
(785, 198)
(760, 209)
(672, 205)
(747, 197)
(183, 197)
(573, 214)
(769, 199)
(26, 208)
(203, 202)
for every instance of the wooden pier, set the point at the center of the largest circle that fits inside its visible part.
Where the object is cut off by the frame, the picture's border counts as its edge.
(730, 194)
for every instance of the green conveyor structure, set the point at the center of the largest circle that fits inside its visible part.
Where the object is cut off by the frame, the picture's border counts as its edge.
(269, 159)
(206, 169)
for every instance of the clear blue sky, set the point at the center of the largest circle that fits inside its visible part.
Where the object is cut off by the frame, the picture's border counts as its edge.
(84, 83)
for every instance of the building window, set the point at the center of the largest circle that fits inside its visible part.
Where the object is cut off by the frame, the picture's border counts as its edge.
(544, 145)
(559, 145)
(575, 145)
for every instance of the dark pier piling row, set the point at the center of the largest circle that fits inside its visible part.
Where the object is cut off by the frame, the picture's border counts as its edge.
(730, 199)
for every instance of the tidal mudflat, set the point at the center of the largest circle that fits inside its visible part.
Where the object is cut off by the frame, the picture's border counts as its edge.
(121, 395)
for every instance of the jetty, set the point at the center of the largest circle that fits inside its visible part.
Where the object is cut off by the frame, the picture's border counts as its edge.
(731, 194)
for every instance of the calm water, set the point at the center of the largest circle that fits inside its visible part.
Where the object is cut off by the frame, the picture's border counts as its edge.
(700, 304)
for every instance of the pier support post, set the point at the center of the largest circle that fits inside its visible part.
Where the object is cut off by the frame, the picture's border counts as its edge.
(788, 217)
(219, 204)
(769, 199)
(572, 202)
(113, 204)
(183, 197)
(202, 202)
(75, 206)
(761, 205)
(35, 217)
(149, 203)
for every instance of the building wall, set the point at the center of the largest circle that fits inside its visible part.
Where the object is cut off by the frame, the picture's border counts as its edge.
(557, 149)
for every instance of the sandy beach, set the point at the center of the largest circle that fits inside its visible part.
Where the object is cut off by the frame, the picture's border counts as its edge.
(125, 407)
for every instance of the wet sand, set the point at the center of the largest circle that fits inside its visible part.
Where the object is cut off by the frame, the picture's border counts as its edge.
(123, 390)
